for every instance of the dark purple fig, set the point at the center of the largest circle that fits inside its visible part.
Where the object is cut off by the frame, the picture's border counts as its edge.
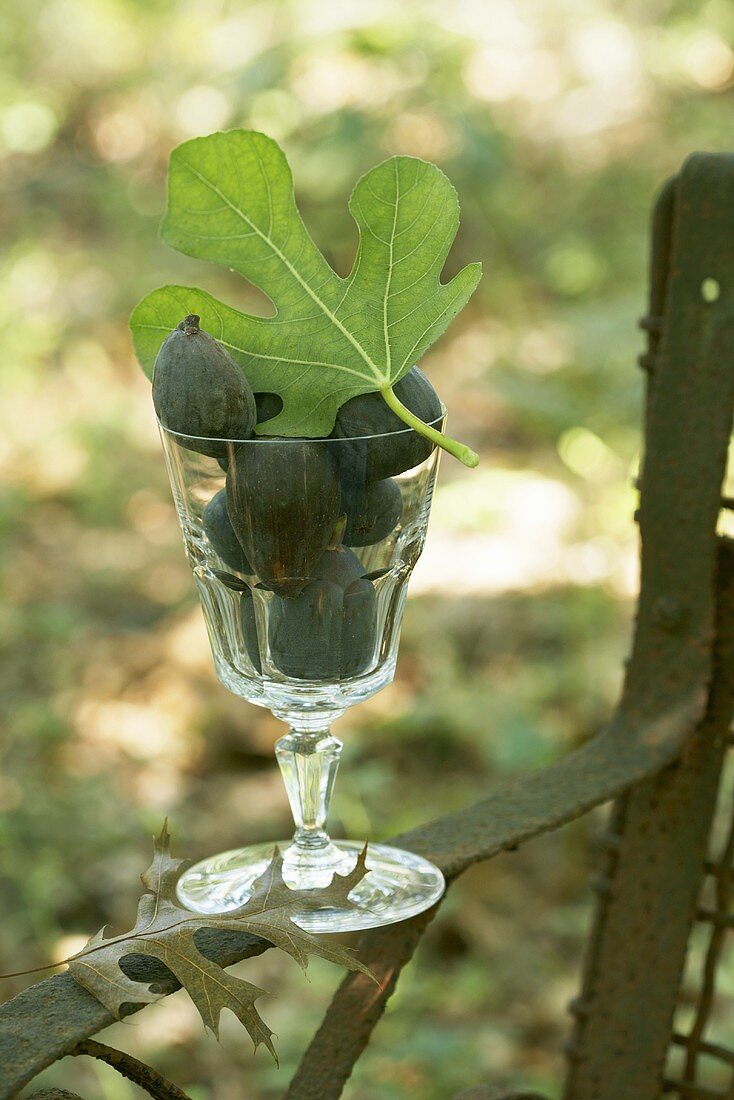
(268, 406)
(200, 392)
(367, 415)
(328, 631)
(248, 626)
(283, 501)
(218, 529)
(372, 514)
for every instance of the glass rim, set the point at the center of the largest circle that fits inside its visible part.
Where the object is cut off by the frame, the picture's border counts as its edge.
(439, 420)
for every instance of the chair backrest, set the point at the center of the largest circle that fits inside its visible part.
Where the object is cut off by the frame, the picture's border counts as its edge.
(665, 880)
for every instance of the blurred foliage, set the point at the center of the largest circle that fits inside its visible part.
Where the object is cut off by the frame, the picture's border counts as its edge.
(556, 122)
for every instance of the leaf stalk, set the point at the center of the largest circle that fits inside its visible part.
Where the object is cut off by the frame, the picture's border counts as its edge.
(464, 454)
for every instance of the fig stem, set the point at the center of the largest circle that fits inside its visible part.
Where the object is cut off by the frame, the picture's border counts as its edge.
(190, 324)
(459, 450)
(337, 536)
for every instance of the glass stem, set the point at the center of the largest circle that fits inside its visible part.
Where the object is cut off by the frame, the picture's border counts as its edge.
(308, 757)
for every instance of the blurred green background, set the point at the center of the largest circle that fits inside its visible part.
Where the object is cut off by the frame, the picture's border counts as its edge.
(556, 122)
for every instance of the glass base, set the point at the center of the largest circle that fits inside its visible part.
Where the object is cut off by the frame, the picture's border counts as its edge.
(399, 885)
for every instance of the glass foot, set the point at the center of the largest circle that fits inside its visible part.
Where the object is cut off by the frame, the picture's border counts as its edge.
(398, 885)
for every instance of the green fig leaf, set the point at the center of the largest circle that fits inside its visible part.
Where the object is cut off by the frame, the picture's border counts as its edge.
(166, 931)
(231, 201)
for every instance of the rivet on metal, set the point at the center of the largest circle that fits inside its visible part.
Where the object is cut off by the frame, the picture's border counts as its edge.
(669, 613)
(710, 290)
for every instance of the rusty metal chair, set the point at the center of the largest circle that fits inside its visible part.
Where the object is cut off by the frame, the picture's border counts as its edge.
(661, 757)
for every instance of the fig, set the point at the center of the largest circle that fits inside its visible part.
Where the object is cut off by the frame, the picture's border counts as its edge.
(368, 415)
(200, 392)
(371, 514)
(283, 500)
(218, 529)
(268, 406)
(328, 631)
(248, 626)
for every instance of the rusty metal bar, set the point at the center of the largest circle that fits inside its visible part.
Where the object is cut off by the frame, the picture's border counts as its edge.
(694, 1042)
(517, 811)
(47, 1020)
(716, 916)
(333, 1047)
(644, 922)
(356, 1010)
(692, 1092)
(713, 1050)
(687, 427)
(635, 964)
(54, 1094)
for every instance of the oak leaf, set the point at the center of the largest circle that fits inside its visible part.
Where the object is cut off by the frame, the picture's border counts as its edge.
(165, 930)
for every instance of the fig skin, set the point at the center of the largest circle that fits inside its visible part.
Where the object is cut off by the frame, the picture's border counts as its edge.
(268, 406)
(198, 390)
(248, 626)
(220, 532)
(283, 501)
(378, 459)
(371, 514)
(327, 632)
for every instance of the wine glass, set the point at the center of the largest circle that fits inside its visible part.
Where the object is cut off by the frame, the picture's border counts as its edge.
(302, 551)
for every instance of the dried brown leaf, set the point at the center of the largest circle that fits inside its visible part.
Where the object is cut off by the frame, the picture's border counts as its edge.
(165, 930)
